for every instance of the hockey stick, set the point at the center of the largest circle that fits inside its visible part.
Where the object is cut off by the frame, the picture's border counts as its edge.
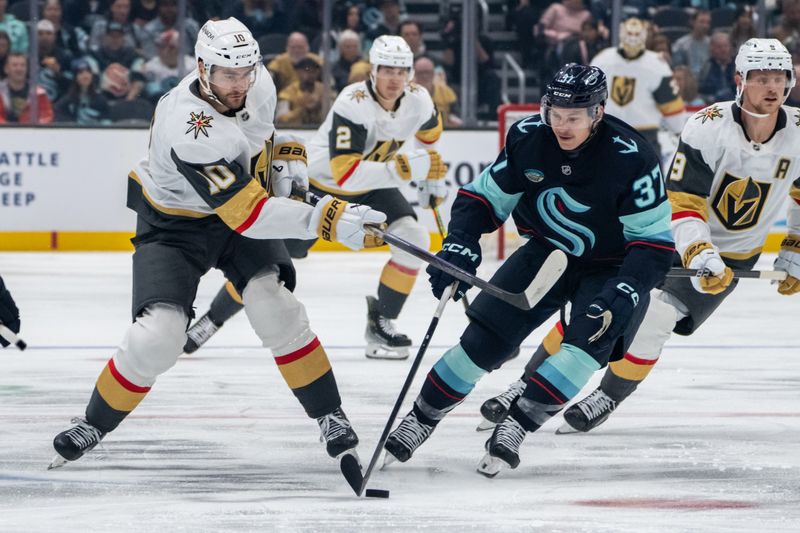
(548, 274)
(446, 295)
(772, 275)
(12, 338)
(443, 233)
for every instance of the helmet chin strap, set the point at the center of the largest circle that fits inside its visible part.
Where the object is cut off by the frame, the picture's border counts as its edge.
(740, 98)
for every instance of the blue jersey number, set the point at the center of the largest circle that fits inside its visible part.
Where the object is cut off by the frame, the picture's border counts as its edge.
(646, 186)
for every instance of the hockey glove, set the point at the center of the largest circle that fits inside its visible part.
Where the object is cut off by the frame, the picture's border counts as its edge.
(289, 165)
(613, 307)
(789, 261)
(461, 250)
(336, 220)
(9, 314)
(703, 256)
(417, 165)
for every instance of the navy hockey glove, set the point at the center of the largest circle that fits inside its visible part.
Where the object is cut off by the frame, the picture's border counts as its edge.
(461, 250)
(9, 314)
(613, 307)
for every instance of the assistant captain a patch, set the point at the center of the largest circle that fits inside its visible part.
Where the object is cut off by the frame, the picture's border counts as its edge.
(199, 123)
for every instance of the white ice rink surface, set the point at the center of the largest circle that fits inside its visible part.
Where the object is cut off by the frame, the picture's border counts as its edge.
(711, 442)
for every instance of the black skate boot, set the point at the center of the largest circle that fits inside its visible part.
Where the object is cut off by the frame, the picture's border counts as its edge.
(199, 333)
(337, 433)
(588, 413)
(494, 410)
(383, 341)
(406, 438)
(502, 448)
(74, 442)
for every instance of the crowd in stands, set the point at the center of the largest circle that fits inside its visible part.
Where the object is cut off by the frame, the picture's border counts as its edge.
(109, 61)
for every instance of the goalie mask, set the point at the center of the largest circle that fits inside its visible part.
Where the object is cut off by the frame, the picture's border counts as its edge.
(632, 37)
(763, 54)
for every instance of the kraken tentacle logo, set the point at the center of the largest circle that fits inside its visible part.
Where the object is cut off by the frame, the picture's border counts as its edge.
(622, 90)
(739, 201)
(552, 205)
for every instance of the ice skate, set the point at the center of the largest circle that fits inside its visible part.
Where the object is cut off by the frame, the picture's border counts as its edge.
(588, 413)
(502, 448)
(74, 442)
(405, 439)
(383, 341)
(199, 333)
(494, 410)
(338, 434)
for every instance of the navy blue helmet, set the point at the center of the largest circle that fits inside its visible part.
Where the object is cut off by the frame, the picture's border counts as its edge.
(576, 85)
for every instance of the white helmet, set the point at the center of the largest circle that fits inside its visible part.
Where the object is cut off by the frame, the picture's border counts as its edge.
(225, 43)
(763, 54)
(632, 36)
(391, 51)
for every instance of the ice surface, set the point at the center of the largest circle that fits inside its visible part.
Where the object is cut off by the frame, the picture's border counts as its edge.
(709, 443)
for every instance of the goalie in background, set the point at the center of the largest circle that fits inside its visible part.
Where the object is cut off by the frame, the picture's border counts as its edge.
(576, 179)
(356, 155)
(208, 196)
(735, 166)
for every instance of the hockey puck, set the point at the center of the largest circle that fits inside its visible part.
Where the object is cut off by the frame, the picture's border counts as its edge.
(376, 493)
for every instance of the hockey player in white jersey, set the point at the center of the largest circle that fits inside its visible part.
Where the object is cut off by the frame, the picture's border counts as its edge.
(737, 165)
(355, 155)
(208, 196)
(640, 87)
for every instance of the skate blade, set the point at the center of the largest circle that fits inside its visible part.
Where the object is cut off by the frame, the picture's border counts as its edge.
(379, 351)
(57, 462)
(566, 429)
(388, 459)
(491, 466)
(485, 425)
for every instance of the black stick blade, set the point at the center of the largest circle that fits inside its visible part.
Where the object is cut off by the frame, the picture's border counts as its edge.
(351, 471)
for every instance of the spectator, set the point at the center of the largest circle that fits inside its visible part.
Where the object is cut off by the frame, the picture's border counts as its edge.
(716, 80)
(15, 29)
(84, 13)
(282, 66)
(660, 44)
(693, 48)
(523, 19)
(262, 17)
(162, 72)
(166, 20)
(349, 59)
(444, 98)
(83, 104)
(389, 22)
(53, 62)
(68, 37)
(14, 92)
(301, 101)
(305, 16)
(583, 47)
(144, 11)
(5, 49)
(563, 20)
(119, 12)
(411, 32)
(687, 86)
(352, 20)
(789, 25)
(743, 27)
(120, 65)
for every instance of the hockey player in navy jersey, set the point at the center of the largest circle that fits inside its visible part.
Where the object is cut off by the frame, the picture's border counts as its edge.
(572, 179)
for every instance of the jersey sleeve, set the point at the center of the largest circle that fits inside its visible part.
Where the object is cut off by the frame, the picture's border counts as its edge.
(793, 217)
(430, 130)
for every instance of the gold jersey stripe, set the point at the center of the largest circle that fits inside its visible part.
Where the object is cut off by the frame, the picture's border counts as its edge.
(672, 107)
(626, 369)
(240, 206)
(166, 210)
(307, 369)
(682, 201)
(334, 191)
(233, 294)
(432, 135)
(342, 164)
(742, 255)
(396, 280)
(794, 192)
(115, 395)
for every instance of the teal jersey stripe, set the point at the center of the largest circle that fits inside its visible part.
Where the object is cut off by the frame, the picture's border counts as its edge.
(484, 185)
(569, 369)
(650, 225)
(463, 374)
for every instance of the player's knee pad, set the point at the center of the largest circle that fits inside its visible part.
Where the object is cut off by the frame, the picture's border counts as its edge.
(485, 347)
(412, 231)
(277, 317)
(655, 330)
(152, 344)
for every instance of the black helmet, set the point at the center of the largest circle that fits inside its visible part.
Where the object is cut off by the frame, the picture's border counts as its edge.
(576, 85)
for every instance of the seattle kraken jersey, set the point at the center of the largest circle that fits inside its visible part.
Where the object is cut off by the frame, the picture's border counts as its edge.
(201, 163)
(640, 90)
(602, 205)
(737, 187)
(349, 152)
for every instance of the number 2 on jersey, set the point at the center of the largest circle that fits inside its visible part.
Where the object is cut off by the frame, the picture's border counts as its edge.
(343, 136)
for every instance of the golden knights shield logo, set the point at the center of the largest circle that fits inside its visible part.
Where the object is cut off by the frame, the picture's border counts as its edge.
(383, 151)
(622, 90)
(739, 201)
(260, 165)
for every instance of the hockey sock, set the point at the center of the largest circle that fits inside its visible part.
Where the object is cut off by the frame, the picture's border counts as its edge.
(554, 383)
(450, 380)
(226, 303)
(549, 346)
(623, 376)
(308, 373)
(113, 398)
(395, 285)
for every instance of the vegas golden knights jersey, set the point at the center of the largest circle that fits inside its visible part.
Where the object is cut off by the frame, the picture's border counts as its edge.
(204, 163)
(739, 188)
(640, 90)
(349, 152)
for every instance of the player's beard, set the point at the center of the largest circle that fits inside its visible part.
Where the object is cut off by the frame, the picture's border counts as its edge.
(233, 101)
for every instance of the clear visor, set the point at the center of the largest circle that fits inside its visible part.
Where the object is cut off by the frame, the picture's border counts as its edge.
(569, 118)
(230, 78)
(392, 73)
(778, 80)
